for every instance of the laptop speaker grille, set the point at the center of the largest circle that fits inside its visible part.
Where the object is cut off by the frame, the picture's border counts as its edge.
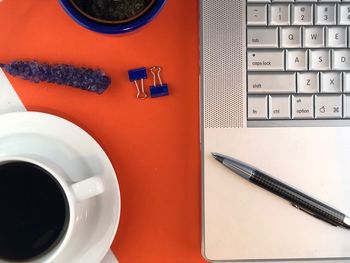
(223, 63)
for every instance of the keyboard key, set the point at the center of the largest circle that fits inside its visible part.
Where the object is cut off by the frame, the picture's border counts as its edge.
(313, 37)
(328, 106)
(319, 59)
(279, 107)
(257, 15)
(279, 14)
(346, 106)
(257, 107)
(325, 14)
(336, 37)
(258, 1)
(346, 82)
(308, 82)
(341, 59)
(266, 60)
(290, 37)
(302, 107)
(344, 14)
(296, 60)
(261, 83)
(331, 82)
(262, 37)
(302, 14)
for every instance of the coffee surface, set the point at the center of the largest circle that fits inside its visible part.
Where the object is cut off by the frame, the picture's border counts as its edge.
(34, 211)
(112, 10)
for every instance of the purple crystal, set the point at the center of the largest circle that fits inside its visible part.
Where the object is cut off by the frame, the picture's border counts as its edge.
(84, 78)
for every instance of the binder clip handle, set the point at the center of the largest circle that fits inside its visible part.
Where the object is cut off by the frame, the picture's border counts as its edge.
(156, 70)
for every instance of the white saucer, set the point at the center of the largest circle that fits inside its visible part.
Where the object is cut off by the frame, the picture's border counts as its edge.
(64, 143)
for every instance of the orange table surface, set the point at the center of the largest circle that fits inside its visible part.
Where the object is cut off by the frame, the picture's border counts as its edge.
(153, 144)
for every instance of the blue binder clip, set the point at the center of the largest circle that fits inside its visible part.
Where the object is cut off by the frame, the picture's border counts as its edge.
(134, 76)
(160, 89)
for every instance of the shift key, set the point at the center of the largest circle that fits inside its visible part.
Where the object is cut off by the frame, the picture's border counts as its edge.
(262, 37)
(271, 83)
(266, 60)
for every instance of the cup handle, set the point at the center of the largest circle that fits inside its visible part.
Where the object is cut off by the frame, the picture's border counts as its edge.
(88, 188)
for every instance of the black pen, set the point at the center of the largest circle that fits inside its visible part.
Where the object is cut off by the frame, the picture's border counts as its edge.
(298, 199)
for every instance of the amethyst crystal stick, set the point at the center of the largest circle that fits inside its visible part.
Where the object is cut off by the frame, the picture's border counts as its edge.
(79, 77)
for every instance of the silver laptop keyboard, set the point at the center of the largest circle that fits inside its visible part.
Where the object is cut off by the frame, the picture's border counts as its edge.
(298, 60)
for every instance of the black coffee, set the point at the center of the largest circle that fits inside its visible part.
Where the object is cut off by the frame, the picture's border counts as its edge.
(33, 211)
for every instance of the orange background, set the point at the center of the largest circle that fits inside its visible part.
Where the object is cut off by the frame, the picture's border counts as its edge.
(153, 144)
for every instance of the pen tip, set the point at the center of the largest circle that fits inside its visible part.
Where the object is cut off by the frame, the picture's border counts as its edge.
(218, 157)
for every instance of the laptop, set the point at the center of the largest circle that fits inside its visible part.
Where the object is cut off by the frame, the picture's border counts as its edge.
(275, 93)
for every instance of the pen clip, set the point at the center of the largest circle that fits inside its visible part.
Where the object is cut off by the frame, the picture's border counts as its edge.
(323, 218)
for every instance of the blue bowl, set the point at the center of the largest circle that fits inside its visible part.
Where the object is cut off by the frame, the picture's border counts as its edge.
(112, 28)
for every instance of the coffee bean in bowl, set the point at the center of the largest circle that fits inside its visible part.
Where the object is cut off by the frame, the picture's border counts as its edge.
(112, 11)
(112, 16)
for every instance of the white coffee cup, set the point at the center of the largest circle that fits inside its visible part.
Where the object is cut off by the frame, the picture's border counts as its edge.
(82, 209)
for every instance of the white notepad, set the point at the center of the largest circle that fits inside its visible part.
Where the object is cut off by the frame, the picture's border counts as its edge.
(9, 100)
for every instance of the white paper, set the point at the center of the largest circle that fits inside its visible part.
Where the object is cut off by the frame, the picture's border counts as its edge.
(109, 258)
(9, 100)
